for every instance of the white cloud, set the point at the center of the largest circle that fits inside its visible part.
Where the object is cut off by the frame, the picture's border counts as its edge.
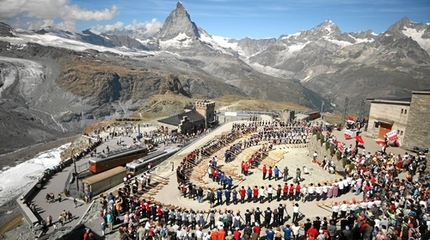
(107, 27)
(147, 27)
(42, 12)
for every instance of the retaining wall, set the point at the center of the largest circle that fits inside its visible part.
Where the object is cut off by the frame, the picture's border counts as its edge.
(315, 145)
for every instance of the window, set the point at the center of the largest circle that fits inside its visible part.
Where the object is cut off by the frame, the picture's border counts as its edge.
(402, 111)
(401, 132)
(406, 111)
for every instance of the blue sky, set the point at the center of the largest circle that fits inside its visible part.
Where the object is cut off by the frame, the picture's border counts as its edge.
(228, 18)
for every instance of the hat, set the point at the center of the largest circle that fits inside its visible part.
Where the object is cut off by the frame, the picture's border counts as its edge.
(347, 227)
(321, 231)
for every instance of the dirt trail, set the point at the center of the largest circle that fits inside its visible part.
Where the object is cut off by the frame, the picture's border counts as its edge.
(11, 224)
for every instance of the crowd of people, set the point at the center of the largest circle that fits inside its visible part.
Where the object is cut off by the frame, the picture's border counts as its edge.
(386, 205)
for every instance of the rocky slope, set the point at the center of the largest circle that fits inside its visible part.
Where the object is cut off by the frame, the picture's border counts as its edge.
(54, 82)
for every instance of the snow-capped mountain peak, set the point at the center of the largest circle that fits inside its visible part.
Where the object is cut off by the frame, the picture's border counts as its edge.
(178, 22)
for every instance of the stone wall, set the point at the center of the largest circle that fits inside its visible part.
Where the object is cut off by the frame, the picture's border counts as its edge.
(418, 128)
(315, 145)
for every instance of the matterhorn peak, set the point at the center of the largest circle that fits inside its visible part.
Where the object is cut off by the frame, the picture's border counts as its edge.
(178, 22)
(179, 5)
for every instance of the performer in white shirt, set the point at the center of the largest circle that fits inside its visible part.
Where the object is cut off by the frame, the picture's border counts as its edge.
(304, 192)
(343, 209)
(335, 210)
(341, 187)
(353, 206)
(345, 186)
(319, 191)
(325, 190)
(296, 210)
(363, 205)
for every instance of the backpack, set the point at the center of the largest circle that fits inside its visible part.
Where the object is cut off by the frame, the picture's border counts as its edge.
(390, 234)
(163, 232)
(247, 230)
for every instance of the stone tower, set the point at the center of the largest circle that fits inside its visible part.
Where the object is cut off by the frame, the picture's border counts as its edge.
(207, 109)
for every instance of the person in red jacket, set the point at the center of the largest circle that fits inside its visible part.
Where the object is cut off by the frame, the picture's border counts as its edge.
(214, 234)
(86, 234)
(257, 229)
(255, 193)
(264, 172)
(236, 234)
(291, 191)
(242, 193)
(246, 169)
(298, 191)
(312, 232)
(285, 191)
(270, 173)
(221, 234)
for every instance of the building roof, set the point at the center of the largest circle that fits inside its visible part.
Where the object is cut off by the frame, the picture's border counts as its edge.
(396, 101)
(424, 91)
(175, 120)
(393, 99)
(312, 112)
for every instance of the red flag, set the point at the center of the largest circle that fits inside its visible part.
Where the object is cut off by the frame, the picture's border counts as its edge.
(359, 139)
(380, 142)
(347, 134)
(392, 136)
(350, 120)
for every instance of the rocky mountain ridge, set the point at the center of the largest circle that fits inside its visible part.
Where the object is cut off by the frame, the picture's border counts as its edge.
(62, 81)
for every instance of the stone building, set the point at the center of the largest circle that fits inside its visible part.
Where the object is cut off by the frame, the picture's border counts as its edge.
(417, 131)
(409, 116)
(192, 119)
(387, 115)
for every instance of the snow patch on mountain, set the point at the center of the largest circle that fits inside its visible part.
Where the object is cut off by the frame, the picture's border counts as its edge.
(296, 47)
(181, 40)
(72, 43)
(417, 36)
(363, 40)
(208, 40)
(226, 43)
(338, 42)
(272, 71)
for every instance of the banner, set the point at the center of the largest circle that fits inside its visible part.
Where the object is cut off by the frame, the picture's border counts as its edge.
(392, 136)
(340, 147)
(359, 139)
(347, 134)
